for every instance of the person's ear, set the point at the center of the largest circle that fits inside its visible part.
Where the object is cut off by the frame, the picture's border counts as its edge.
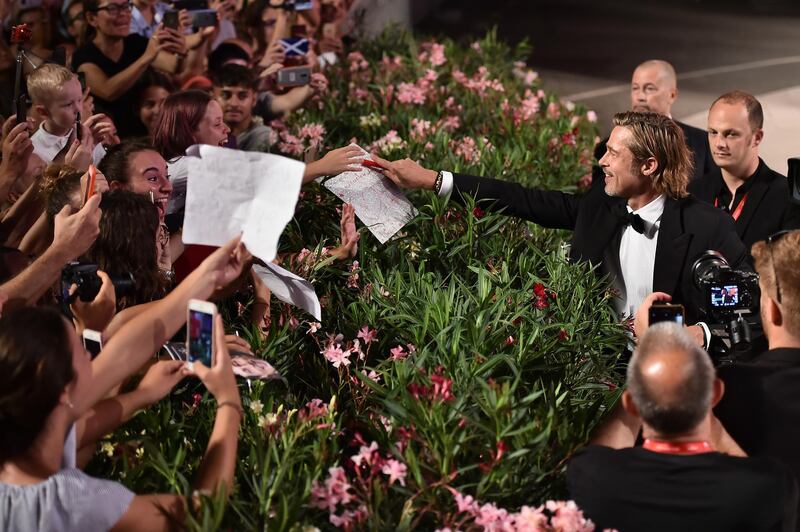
(41, 110)
(628, 404)
(758, 137)
(673, 95)
(772, 313)
(116, 185)
(649, 166)
(91, 18)
(717, 392)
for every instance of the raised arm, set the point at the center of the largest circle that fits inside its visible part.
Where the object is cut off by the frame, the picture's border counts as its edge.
(130, 347)
(547, 208)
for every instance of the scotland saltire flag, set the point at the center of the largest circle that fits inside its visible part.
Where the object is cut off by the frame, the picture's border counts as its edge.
(295, 46)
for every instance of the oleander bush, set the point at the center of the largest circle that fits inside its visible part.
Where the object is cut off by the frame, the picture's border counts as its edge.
(456, 367)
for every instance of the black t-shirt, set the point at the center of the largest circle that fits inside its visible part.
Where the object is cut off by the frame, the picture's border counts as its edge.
(761, 405)
(124, 110)
(636, 489)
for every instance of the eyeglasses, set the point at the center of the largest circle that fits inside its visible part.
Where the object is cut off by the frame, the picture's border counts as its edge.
(771, 240)
(116, 9)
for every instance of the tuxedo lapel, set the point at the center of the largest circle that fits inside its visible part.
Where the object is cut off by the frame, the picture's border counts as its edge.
(671, 248)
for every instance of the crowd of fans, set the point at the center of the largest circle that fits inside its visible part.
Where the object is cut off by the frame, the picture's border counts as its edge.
(118, 90)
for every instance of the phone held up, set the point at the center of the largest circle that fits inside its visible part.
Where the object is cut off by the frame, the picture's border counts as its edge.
(663, 312)
(200, 332)
(294, 77)
(93, 342)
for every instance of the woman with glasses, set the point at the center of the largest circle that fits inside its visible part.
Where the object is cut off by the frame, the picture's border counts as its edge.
(114, 60)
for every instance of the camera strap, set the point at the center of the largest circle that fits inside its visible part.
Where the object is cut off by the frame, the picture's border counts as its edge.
(738, 210)
(680, 448)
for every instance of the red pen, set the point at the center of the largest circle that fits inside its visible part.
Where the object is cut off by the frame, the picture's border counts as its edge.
(372, 164)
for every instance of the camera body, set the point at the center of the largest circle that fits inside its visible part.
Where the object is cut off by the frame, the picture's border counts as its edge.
(85, 277)
(730, 297)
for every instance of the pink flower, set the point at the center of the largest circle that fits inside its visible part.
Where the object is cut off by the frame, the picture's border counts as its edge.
(420, 129)
(553, 110)
(398, 353)
(313, 327)
(467, 149)
(411, 348)
(492, 518)
(336, 490)
(410, 93)
(357, 61)
(476, 46)
(389, 142)
(396, 471)
(530, 520)
(563, 335)
(291, 144)
(314, 408)
(373, 376)
(442, 388)
(510, 340)
(437, 54)
(312, 132)
(449, 123)
(591, 116)
(366, 455)
(336, 356)
(352, 279)
(568, 517)
(465, 503)
(367, 334)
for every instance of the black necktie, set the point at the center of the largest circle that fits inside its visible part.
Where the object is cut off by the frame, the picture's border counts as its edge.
(628, 218)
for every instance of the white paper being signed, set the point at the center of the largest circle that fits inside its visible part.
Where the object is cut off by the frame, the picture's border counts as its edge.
(231, 192)
(378, 203)
(290, 288)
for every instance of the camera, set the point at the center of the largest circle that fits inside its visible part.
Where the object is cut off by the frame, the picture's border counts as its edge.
(85, 277)
(730, 297)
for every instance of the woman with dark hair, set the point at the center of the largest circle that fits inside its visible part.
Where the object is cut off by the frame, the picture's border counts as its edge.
(48, 383)
(127, 243)
(114, 59)
(155, 89)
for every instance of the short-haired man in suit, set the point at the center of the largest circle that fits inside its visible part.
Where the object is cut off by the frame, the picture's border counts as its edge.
(642, 227)
(679, 479)
(743, 185)
(654, 88)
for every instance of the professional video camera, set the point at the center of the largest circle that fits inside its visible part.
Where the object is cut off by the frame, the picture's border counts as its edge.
(88, 283)
(730, 298)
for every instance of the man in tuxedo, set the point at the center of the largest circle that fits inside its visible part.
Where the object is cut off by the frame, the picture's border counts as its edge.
(654, 88)
(744, 186)
(642, 228)
(679, 479)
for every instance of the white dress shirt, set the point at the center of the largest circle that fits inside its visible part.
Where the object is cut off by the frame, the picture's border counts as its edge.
(637, 258)
(46, 145)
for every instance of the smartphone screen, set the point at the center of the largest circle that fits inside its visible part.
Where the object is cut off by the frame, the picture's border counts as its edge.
(171, 20)
(666, 313)
(200, 336)
(92, 342)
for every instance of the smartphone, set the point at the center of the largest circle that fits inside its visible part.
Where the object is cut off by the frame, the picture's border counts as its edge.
(78, 128)
(171, 20)
(90, 184)
(200, 332)
(303, 5)
(22, 108)
(294, 77)
(203, 18)
(93, 342)
(189, 5)
(663, 312)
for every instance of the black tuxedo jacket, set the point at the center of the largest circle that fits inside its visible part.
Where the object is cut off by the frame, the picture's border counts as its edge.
(767, 208)
(696, 139)
(688, 227)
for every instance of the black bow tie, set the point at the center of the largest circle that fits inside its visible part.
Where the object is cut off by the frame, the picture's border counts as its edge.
(628, 218)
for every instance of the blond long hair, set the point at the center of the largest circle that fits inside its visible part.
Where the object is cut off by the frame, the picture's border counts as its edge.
(657, 136)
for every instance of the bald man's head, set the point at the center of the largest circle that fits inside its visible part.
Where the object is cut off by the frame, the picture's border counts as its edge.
(670, 379)
(654, 87)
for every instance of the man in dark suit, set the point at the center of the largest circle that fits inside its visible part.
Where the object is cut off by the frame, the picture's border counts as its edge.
(756, 197)
(654, 88)
(642, 228)
(761, 407)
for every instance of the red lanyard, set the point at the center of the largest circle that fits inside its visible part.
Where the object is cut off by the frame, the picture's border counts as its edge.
(738, 210)
(688, 447)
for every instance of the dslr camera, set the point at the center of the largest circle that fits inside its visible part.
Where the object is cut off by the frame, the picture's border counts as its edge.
(85, 277)
(730, 298)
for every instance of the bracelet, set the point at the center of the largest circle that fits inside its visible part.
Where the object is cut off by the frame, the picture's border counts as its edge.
(437, 185)
(236, 406)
